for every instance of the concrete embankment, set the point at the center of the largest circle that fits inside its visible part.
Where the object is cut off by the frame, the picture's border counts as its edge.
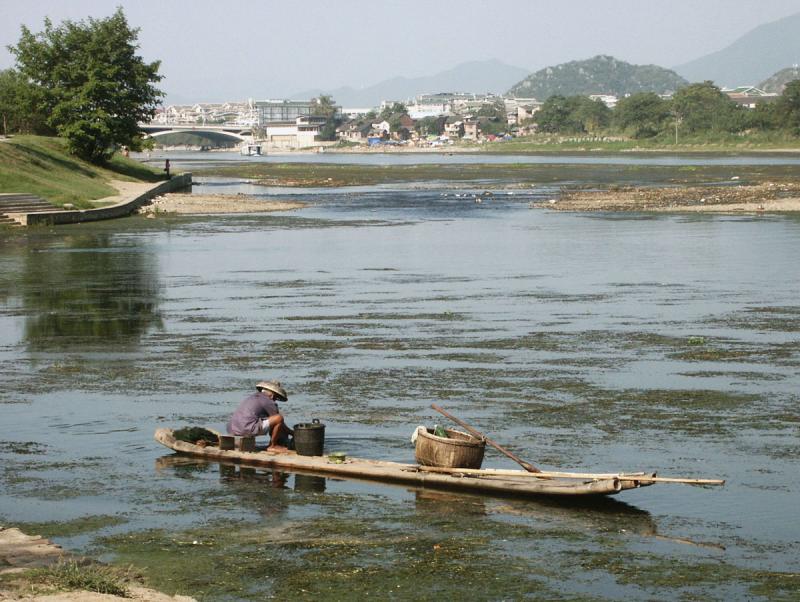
(125, 205)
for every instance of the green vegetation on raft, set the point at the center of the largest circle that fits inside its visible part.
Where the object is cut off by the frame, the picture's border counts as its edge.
(42, 166)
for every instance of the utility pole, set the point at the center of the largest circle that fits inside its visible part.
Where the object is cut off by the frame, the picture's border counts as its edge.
(678, 120)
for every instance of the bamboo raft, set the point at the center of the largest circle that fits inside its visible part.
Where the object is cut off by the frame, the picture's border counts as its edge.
(499, 482)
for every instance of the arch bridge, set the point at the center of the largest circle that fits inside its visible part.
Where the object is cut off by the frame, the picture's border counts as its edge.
(238, 132)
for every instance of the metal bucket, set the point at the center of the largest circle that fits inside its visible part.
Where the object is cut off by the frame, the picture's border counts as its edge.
(309, 438)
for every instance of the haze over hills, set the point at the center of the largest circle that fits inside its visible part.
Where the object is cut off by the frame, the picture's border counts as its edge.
(598, 75)
(752, 58)
(474, 76)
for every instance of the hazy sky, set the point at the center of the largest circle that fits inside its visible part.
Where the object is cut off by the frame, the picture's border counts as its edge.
(235, 49)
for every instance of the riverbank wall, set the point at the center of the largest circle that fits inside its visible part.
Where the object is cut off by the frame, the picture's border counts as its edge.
(122, 208)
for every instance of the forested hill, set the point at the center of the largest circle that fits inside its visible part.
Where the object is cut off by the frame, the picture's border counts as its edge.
(598, 75)
(777, 82)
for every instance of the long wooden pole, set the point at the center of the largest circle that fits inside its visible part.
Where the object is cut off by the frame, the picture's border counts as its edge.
(544, 474)
(526, 465)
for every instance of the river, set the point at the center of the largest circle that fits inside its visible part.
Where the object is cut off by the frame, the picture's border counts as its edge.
(586, 342)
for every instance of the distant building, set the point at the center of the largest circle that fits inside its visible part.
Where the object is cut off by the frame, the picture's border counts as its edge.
(520, 110)
(271, 111)
(354, 131)
(301, 133)
(749, 96)
(382, 128)
(470, 129)
(607, 99)
(454, 127)
(355, 113)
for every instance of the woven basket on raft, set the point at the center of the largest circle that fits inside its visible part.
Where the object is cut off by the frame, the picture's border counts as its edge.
(458, 450)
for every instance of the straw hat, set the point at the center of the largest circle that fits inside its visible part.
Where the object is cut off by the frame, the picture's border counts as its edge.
(275, 387)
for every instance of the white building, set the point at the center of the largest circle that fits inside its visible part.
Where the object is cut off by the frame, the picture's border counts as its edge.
(288, 135)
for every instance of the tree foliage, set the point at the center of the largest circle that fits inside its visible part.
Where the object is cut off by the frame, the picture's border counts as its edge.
(20, 104)
(325, 106)
(704, 107)
(92, 85)
(787, 107)
(573, 115)
(644, 115)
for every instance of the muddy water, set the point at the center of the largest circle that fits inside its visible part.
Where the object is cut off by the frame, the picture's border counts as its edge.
(582, 342)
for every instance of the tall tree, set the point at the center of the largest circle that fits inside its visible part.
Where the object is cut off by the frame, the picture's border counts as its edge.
(572, 115)
(94, 87)
(644, 114)
(787, 107)
(19, 102)
(704, 107)
(324, 106)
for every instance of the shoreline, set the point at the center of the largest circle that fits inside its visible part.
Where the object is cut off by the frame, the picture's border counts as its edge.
(21, 553)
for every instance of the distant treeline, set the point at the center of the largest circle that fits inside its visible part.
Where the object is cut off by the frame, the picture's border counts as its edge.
(695, 109)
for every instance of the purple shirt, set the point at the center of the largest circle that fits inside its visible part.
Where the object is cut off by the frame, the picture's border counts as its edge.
(246, 420)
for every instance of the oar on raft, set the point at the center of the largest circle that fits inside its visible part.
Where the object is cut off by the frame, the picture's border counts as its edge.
(526, 465)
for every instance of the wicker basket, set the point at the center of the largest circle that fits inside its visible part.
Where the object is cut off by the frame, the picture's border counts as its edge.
(458, 450)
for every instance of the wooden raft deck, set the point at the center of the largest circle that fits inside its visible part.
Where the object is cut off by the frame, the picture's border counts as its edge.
(486, 481)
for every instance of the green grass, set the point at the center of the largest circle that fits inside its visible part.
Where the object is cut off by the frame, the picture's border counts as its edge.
(70, 575)
(41, 166)
(494, 175)
(722, 142)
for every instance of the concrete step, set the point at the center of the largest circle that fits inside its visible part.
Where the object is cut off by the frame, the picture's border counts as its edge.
(29, 208)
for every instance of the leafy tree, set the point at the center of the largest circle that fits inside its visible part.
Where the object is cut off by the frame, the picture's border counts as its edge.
(18, 105)
(572, 115)
(492, 117)
(324, 106)
(704, 107)
(555, 116)
(94, 87)
(787, 107)
(593, 115)
(644, 114)
(397, 108)
(431, 126)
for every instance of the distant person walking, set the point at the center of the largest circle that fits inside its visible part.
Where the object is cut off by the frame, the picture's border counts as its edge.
(166, 168)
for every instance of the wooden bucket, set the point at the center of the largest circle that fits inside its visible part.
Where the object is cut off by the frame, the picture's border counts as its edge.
(458, 450)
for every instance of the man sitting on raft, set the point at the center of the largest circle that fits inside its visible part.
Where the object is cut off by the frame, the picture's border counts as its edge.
(258, 414)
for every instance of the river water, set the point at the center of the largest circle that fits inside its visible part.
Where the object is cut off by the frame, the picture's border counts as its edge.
(585, 342)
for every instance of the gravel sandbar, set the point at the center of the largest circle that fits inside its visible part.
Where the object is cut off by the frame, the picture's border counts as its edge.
(205, 204)
(767, 197)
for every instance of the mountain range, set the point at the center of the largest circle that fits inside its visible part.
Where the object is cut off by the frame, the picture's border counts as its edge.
(752, 58)
(474, 76)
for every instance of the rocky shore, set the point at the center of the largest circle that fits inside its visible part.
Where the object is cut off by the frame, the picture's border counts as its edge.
(207, 204)
(766, 197)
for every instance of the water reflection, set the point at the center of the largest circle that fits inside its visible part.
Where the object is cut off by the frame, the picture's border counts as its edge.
(88, 290)
(309, 483)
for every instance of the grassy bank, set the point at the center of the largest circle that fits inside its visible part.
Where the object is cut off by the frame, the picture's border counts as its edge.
(41, 166)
